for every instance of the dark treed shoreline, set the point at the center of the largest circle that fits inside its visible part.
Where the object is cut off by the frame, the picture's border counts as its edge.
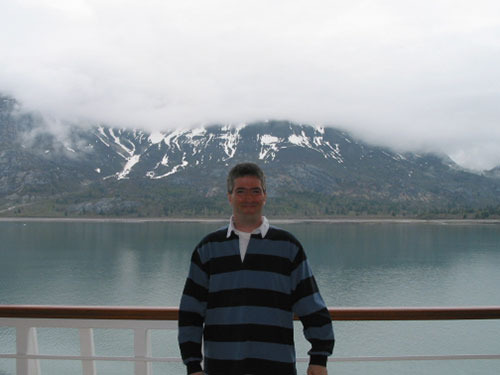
(273, 220)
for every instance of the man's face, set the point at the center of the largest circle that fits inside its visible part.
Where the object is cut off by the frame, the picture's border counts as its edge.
(248, 196)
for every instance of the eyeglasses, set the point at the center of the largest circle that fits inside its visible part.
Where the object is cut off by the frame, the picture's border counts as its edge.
(254, 191)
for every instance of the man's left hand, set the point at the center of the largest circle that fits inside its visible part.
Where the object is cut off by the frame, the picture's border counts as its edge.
(317, 370)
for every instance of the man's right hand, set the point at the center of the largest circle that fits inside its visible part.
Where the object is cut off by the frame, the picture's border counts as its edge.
(317, 370)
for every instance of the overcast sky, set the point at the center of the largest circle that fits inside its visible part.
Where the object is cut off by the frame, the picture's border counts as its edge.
(416, 75)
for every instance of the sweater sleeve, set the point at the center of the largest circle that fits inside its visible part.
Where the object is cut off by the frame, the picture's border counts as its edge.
(309, 306)
(192, 314)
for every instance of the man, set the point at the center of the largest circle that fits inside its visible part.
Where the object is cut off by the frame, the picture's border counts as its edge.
(245, 283)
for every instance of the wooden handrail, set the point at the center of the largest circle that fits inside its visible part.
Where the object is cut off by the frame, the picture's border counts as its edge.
(172, 313)
(415, 313)
(89, 312)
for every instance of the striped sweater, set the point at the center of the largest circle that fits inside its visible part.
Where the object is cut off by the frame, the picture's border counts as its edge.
(244, 309)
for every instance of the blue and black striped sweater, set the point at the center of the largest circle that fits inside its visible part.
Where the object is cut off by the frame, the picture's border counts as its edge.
(244, 309)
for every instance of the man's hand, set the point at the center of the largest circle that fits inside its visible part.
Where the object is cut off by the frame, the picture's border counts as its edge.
(196, 373)
(317, 370)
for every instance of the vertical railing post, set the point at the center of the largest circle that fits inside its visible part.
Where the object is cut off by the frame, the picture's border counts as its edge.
(142, 349)
(26, 344)
(87, 349)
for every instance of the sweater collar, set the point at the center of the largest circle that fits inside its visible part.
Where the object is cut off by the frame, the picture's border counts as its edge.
(264, 227)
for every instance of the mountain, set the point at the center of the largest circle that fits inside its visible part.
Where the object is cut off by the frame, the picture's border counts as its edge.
(311, 171)
(493, 173)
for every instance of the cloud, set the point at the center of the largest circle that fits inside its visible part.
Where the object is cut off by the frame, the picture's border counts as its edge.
(410, 75)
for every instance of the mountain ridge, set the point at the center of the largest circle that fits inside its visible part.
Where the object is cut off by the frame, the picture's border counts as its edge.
(312, 171)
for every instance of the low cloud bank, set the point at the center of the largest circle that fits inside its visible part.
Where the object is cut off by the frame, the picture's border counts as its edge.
(421, 77)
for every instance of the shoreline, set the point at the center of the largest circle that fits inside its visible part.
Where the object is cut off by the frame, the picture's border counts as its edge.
(272, 220)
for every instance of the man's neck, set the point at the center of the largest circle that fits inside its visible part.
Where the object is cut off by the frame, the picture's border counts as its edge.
(247, 224)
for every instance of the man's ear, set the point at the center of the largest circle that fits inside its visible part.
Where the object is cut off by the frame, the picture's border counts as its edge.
(229, 198)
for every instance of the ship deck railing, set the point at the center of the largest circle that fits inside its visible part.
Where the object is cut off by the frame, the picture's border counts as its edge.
(142, 320)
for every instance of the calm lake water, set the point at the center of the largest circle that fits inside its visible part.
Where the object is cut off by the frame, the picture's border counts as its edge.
(355, 264)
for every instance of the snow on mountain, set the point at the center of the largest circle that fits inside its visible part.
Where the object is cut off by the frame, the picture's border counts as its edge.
(167, 153)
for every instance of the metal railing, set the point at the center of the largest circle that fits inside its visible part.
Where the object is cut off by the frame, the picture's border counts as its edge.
(27, 318)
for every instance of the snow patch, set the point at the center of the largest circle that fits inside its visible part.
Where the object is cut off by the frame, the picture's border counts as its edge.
(172, 139)
(101, 131)
(116, 139)
(230, 143)
(183, 165)
(268, 146)
(401, 157)
(300, 140)
(133, 160)
(156, 137)
(198, 132)
(164, 160)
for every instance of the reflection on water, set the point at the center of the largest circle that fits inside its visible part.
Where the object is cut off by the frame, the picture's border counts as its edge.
(96, 263)
(404, 264)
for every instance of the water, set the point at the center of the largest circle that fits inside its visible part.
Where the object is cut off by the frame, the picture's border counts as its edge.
(370, 264)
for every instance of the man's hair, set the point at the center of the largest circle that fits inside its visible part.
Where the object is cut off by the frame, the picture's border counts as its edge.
(242, 170)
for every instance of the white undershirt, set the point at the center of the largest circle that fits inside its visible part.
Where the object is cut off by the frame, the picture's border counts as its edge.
(244, 240)
(244, 237)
